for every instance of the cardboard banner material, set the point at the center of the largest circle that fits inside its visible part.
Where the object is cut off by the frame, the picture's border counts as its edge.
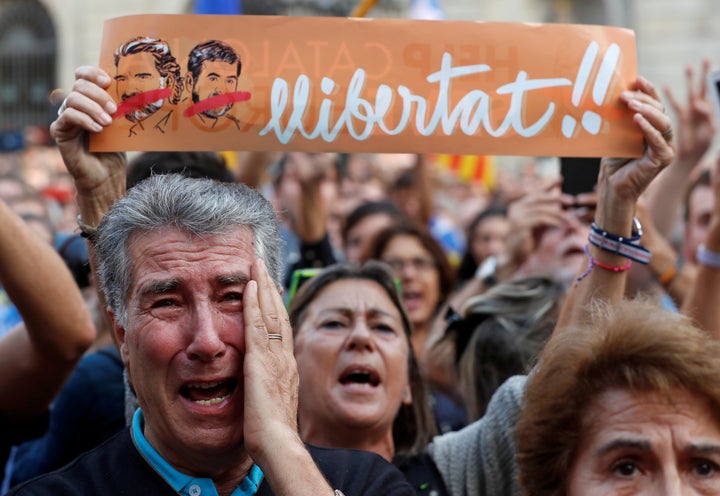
(205, 82)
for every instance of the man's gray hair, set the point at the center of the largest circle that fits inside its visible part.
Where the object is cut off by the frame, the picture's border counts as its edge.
(198, 206)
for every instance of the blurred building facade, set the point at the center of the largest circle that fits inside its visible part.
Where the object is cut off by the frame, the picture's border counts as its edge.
(43, 41)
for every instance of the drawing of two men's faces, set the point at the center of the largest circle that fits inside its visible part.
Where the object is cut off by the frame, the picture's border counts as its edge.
(141, 73)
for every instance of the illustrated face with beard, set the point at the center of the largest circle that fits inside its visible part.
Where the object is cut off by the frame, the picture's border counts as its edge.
(146, 110)
(137, 74)
(216, 78)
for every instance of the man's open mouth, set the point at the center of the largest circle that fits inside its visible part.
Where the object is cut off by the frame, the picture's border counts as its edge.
(208, 393)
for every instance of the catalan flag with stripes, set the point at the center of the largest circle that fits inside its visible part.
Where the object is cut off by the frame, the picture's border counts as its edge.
(469, 168)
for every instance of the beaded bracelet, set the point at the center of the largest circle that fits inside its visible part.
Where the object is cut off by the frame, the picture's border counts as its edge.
(707, 257)
(596, 263)
(627, 247)
(635, 234)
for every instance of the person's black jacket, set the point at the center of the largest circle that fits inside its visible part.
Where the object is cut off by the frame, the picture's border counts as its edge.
(116, 467)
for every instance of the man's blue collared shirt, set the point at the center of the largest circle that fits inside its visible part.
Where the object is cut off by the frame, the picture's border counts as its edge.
(182, 483)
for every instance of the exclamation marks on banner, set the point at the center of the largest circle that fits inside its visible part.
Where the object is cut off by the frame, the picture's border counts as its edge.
(592, 121)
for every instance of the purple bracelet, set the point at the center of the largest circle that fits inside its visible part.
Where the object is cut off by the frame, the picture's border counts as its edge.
(707, 257)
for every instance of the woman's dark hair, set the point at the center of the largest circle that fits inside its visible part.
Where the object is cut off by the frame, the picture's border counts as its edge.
(367, 209)
(414, 425)
(468, 265)
(409, 228)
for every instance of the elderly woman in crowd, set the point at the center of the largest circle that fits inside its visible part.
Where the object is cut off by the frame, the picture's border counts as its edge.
(629, 405)
(625, 397)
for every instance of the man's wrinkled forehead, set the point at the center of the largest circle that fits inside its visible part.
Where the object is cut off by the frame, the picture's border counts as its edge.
(238, 240)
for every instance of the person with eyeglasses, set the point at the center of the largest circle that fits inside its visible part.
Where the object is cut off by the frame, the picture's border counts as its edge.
(424, 271)
(426, 278)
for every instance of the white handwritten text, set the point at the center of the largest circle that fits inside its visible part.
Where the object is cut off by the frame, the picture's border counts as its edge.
(360, 117)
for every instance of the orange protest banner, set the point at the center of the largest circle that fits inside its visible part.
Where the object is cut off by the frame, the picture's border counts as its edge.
(192, 82)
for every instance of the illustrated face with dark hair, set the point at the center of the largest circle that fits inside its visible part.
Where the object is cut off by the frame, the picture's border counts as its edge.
(212, 76)
(216, 78)
(137, 73)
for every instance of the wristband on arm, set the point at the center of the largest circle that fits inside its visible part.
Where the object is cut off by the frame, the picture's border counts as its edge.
(707, 257)
(629, 248)
(667, 277)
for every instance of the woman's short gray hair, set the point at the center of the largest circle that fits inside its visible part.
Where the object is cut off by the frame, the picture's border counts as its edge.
(198, 206)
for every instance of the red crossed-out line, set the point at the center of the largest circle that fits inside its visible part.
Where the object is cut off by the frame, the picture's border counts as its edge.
(216, 101)
(140, 100)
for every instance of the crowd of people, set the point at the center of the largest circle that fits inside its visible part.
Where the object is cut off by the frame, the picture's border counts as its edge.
(317, 323)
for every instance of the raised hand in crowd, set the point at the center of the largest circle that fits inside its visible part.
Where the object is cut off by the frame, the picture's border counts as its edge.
(539, 211)
(37, 356)
(99, 177)
(667, 267)
(620, 184)
(702, 303)
(695, 130)
(308, 191)
(536, 208)
(305, 192)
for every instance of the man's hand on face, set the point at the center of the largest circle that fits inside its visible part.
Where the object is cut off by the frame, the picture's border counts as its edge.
(271, 377)
(271, 392)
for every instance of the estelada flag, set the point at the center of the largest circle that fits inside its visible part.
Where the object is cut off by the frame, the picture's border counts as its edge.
(468, 168)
